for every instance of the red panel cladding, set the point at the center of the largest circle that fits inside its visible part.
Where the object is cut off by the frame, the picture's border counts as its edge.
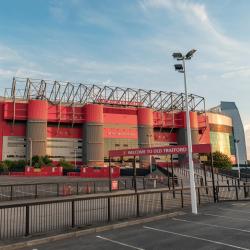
(120, 110)
(145, 116)
(16, 130)
(204, 137)
(204, 130)
(94, 113)
(1, 129)
(168, 120)
(164, 136)
(53, 132)
(120, 119)
(20, 111)
(193, 119)
(126, 133)
(7, 129)
(64, 114)
(37, 110)
(203, 121)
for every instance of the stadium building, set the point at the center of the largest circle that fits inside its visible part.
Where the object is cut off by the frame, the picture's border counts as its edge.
(81, 122)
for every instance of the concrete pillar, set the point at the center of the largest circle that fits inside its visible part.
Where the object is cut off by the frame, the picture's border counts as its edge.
(145, 132)
(93, 139)
(182, 132)
(36, 134)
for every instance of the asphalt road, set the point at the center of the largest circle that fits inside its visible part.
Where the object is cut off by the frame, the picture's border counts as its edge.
(220, 226)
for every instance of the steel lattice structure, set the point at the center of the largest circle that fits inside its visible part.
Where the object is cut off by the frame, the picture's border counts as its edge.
(59, 92)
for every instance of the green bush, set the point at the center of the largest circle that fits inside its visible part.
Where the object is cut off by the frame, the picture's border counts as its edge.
(39, 161)
(18, 166)
(46, 160)
(66, 165)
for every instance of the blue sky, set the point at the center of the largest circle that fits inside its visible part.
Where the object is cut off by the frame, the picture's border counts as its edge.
(129, 43)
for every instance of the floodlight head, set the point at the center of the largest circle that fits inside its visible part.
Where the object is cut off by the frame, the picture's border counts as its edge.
(190, 54)
(177, 55)
(178, 67)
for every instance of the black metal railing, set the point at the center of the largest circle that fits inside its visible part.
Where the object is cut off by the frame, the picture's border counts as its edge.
(32, 218)
(232, 192)
(43, 190)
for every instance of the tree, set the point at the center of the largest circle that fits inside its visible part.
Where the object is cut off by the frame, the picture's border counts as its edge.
(220, 160)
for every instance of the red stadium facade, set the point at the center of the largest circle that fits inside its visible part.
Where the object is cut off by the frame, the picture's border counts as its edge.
(83, 123)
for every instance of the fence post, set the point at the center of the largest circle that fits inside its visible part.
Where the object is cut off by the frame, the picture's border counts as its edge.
(205, 174)
(168, 180)
(35, 191)
(236, 192)
(182, 200)
(217, 194)
(134, 176)
(109, 210)
(212, 172)
(162, 208)
(11, 192)
(199, 196)
(173, 192)
(27, 220)
(137, 205)
(173, 184)
(201, 182)
(73, 213)
(77, 188)
(245, 191)
(57, 187)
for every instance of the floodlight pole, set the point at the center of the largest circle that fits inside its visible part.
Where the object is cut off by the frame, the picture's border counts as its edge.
(190, 153)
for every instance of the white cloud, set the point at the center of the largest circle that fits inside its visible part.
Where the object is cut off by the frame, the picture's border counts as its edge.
(13, 63)
(104, 67)
(6, 73)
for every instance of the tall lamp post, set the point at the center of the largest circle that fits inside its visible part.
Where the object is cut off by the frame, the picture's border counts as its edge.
(236, 142)
(181, 68)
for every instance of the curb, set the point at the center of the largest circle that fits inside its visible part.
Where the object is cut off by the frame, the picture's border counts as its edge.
(78, 233)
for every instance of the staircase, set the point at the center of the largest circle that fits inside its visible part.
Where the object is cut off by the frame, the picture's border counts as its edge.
(203, 176)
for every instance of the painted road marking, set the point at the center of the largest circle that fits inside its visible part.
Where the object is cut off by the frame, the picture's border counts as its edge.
(196, 238)
(228, 217)
(234, 210)
(119, 243)
(239, 204)
(212, 225)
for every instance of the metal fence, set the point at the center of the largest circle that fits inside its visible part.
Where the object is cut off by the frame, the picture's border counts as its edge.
(231, 193)
(32, 218)
(43, 190)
